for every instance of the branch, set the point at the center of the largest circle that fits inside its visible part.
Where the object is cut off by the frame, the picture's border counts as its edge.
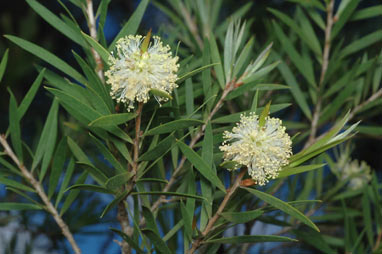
(40, 191)
(191, 24)
(93, 33)
(211, 222)
(325, 63)
(122, 215)
(365, 103)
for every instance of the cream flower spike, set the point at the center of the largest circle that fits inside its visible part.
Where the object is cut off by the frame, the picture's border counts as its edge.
(134, 72)
(359, 173)
(264, 150)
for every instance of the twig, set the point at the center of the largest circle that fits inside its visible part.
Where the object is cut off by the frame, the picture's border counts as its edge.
(325, 63)
(122, 215)
(93, 33)
(211, 222)
(191, 24)
(378, 241)
(40, 191)
(365, 103)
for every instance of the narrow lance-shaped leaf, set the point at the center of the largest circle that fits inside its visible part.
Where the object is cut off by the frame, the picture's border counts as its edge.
(112, 120)
(264, 114)
(157, 241)
(132, 24)
(285, 207)
(172, 126)
(104, 54)
(14, 126)
(201, 166)
(47, 57)
(3, 64)
(251, 239)
(56, 22)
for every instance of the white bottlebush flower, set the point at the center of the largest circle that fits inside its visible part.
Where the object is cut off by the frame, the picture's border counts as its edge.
(358, 173)
(264, 150)
(133, 73)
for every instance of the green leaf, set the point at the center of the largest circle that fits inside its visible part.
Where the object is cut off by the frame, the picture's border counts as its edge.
(343, 16)
(154, 180)
(203, 168)
(3, 64)
(14, 126)
(47, 57)
(303, 64)
(177, 194)
(113, 203)
(260, 73)
(315, 239)
(160, 93)
(306, 32)
(112, 120)
(6, 206)
(47, 141)
(298, 170)
(194, 72)
(56, 22)
(251, 239)
(159, 150)
(365, 13)
(28, 98)
(96, 174)
(232, 118)
(15, 184)
(132, 24)
(65, 182)
(57, 166)
(285, 207)
(157, 241)
(146, 42)
(82, 111)
(150, 220)
(295, 89)
(370, 130)
(367, 218)
(242, 217)
(73, 194)
(215, 56)
(230, 164)
(117, 181)
(362, 43)
(264, 114)
(103, 53)
(89, 187)
(107, 154)
(130, 241)
(77, 151)
(173, 126)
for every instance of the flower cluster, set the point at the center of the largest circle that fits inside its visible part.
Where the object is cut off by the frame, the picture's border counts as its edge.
(358, 173)
(134, 72)
(263, 149)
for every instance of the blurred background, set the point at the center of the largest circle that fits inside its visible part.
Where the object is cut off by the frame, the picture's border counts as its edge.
(17, 18)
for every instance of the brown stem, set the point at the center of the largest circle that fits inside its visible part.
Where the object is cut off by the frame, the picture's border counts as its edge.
(122, 215)
(365, 103)
(378, 241)
(40, 191)
(93, 33)
(191, 24)
(325, 63)
(211, 222)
